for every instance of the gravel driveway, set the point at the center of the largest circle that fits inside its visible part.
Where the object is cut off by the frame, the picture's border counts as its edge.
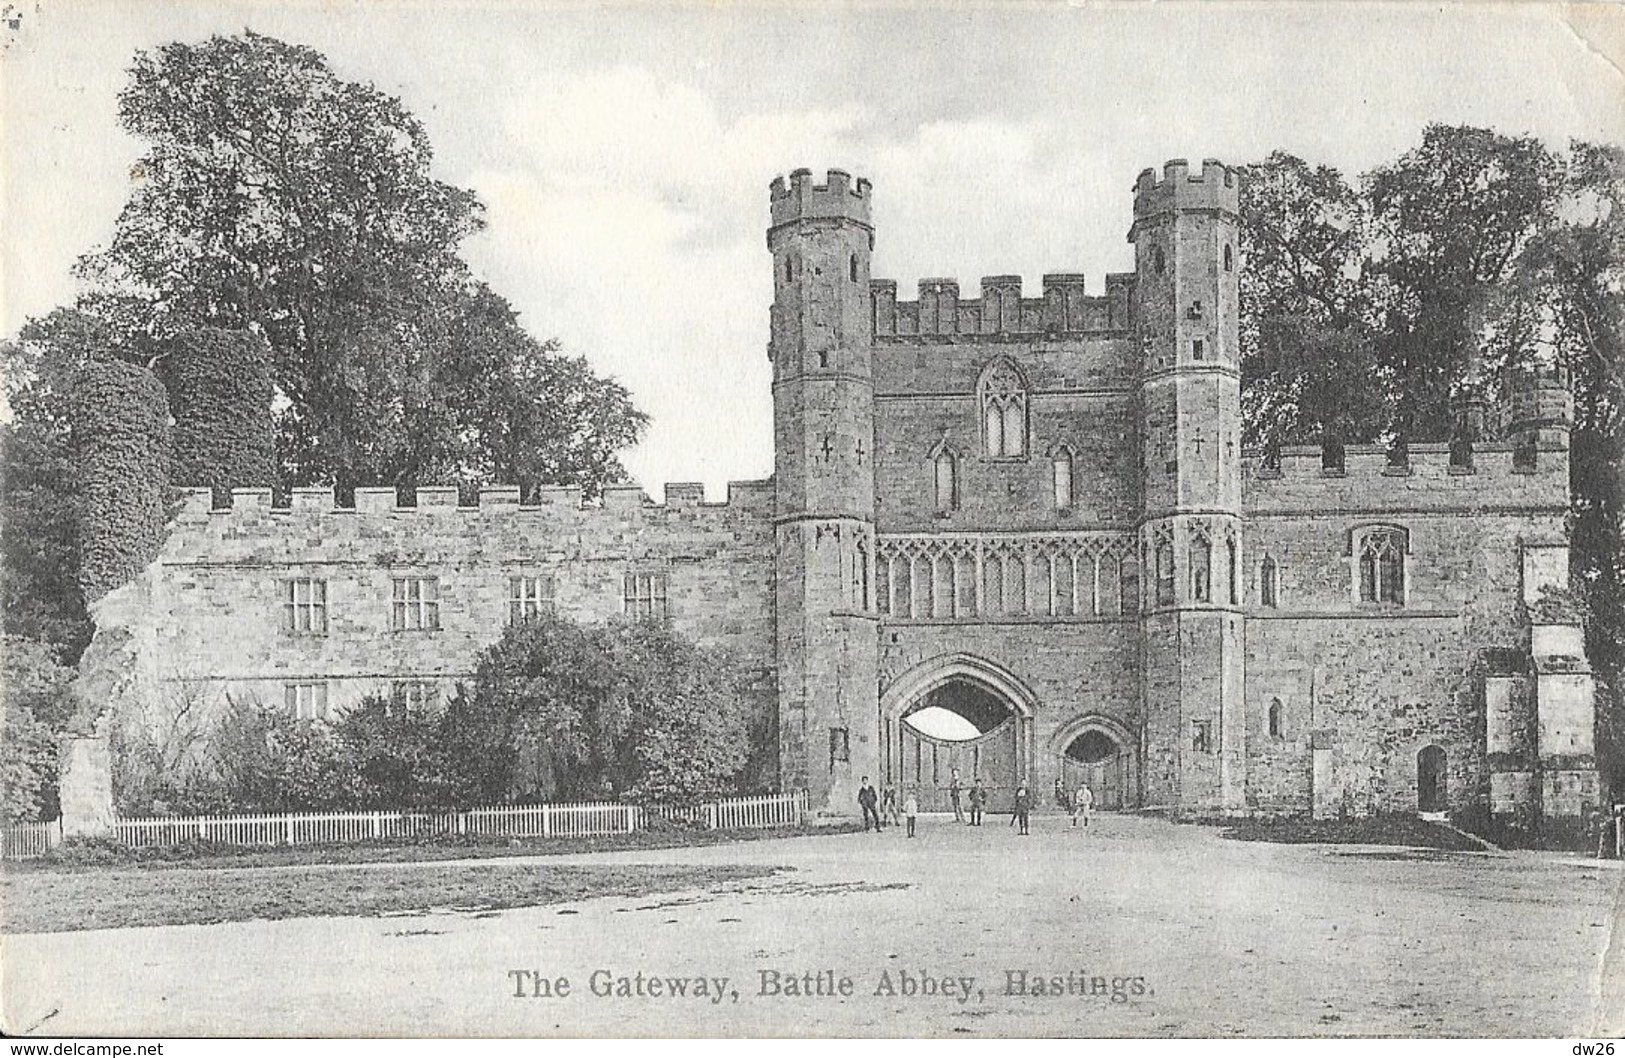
(1135, 927)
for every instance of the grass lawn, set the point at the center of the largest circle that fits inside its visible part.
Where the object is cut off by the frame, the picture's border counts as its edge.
(102, 855)
(1370, 830)
(43, 901)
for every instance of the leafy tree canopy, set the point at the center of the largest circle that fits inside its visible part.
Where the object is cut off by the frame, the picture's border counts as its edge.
(278, 198)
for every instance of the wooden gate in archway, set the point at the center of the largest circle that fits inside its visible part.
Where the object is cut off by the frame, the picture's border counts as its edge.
(924, 766)
(1101, 753)
(1107, 780)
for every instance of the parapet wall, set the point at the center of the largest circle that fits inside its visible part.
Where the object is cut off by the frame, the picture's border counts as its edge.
(1216, 187)
(941, 313)
(1427, 481)
(747, 499)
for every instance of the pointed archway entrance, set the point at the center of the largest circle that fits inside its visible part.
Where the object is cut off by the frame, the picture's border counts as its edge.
(956, 713)
(1101, 753)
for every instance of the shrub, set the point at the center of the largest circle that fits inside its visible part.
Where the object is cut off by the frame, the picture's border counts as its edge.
(267, 760)
(626, 709)
(393, 758)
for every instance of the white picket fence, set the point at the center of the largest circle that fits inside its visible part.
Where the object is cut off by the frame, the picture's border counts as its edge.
(26, 840)
(749, 813)
(509, 821)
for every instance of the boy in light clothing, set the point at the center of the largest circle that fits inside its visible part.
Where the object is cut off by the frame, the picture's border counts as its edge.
(1082, 802)
(911, 808)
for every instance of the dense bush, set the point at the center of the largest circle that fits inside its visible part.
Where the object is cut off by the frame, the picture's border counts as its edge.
(556, 711)
(267, 760)
(626, 709)
(392, 758)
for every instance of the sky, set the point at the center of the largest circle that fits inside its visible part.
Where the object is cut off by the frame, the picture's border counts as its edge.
(624, 152)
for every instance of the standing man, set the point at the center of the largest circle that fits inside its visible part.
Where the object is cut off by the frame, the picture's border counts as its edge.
(911, 808)
(953, 795)
(1082, 802)
(888, 805)
(1024, 807)
(867, 799)
(978, 798)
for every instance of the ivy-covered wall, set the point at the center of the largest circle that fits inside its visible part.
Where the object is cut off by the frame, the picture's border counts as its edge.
(119, 414)
(220, 391)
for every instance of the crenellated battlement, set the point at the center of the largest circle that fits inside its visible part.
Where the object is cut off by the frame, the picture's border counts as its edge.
(1430, 477)
(750, 498)
(1215, 187)
(837, 198)
(940, 311)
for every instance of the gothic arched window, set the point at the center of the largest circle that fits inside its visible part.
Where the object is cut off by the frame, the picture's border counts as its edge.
(1129, 581)
(1165, 573)
(1380, 558)
(1229, 261)
(1201, 570)
(1268, 583)
(947, 479)
(1061, 477)
(1004, 412)
(1275, 718)
(1231, 579)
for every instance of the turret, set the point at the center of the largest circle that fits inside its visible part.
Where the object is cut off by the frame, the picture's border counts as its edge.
(823, 414)
(1542, 413)
(1186, 236)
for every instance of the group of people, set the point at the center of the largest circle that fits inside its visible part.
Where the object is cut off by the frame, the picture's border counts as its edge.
(881, 807)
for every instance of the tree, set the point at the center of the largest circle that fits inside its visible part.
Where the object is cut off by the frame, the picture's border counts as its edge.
(627, 709)
(1572, 278)
(1449, 221)
(278, 198)
(39, 558)
(39, 549)
(1306, 341)
(34, 712)
(279, 202)
(1369, 311)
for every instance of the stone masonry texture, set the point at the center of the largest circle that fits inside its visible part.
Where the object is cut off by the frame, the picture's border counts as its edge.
(976, 487)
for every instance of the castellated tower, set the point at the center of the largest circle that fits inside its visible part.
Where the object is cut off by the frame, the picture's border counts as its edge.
(823, 421)
(1186, 247)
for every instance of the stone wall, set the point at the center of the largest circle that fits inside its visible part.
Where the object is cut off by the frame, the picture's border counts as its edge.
(1371, 684)
(1073, 669)
(217, 595)
(1079, 395)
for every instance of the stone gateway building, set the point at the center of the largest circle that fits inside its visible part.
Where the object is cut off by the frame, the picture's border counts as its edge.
(1032, 511)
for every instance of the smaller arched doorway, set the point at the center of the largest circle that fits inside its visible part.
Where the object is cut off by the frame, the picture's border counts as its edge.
(1099, 753)
(1431, 783)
